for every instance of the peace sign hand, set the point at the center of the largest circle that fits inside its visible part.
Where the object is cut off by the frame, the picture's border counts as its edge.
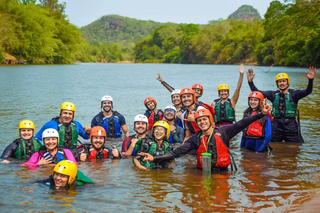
(266, 108)
(312, 73)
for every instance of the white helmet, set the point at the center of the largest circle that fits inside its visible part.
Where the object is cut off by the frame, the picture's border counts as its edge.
(175, 92)
(141, 118)
(50, 133)
(170, 107)
(107, 98)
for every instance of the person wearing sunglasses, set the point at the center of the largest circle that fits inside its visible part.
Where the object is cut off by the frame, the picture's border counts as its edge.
(286, 123)
(176, 132)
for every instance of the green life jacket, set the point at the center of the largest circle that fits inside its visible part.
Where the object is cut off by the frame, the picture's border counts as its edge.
(68, 137)
(283, 106)
(82, 179)
(223, 112)
(24, 151)
(156, 150)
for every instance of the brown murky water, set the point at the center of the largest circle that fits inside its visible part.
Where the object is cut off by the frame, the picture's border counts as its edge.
(286, 179)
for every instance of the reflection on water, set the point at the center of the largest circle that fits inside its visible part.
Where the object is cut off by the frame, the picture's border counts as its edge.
(278, 181)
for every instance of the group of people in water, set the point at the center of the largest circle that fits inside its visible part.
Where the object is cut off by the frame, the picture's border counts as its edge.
(200, 129)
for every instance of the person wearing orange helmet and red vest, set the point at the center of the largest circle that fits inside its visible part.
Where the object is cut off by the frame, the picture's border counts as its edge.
(256, 137)
(210, 140)
(224, 107)
(152, 113)
(286, 122)
(95, 150)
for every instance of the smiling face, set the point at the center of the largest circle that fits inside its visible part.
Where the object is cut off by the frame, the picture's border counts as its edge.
(169, 114)
(60, 180)
(197, 91)
(106, 106)
(203, 123)
(223, 94)
(187, 99)
(140, 127)
(282, 84)
(159, 132)
(176, 99)
(151, 105)
(98, 142)
(66, 116)
(26, 134)
(50, 143)
(254, 103)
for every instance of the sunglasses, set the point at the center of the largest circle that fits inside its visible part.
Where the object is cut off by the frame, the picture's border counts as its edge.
(169, 110)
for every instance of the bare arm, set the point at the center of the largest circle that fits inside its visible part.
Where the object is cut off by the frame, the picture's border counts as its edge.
(125, 130)
(236, 93)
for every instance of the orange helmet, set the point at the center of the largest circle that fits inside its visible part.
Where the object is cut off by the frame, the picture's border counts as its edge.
(256, 94)
(198, 86)
(148, 100)
(188, 91)
(98, 131)
(202, 113)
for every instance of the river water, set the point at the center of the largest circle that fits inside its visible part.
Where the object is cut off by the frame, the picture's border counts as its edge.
(278, 181)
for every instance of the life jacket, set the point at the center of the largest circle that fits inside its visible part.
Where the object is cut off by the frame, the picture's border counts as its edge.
(255, 130)
(112, 125)
(68, 136)
(59, 156)
(156, 150)
(154, 117)
(224, 112)
(220, 156)
(283, 106)
(26, 148)
(92, 153)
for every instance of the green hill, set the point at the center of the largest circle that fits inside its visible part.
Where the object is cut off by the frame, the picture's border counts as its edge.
(112, 29)
(245, 13)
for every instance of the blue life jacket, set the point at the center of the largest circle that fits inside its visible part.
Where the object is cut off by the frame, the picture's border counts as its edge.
(112, 126)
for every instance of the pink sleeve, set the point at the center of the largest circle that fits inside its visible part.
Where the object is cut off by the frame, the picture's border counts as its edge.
(33, 160)
(69, 155)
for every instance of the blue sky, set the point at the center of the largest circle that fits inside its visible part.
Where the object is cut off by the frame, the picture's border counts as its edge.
(82, 13)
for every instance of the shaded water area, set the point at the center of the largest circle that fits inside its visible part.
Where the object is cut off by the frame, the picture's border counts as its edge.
(278, 181)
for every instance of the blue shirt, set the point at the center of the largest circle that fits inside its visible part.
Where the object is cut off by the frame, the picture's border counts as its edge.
(98, 119)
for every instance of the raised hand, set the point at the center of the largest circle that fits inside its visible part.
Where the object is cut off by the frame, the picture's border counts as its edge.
(159, 78)
(147, 156)
(250, 75)
(115, 152)
(312, 73)
(87, 129)
(266, 108)
(190, 117)
(83, 156)
(241, 69)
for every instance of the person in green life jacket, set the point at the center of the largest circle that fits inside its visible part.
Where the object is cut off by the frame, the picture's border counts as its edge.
(224, 107)
(66, 174)
(286, 123)
(68, 129)
(25, 146)
(156, 145)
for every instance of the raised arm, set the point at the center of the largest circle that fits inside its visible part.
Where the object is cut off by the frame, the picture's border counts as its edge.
(299, 94)
(165, 84)
(236, 93)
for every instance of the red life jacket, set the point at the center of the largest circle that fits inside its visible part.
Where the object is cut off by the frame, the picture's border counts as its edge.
(220, 152)
(255, 130)
(153, 117)
(93, 154)
(192, 126)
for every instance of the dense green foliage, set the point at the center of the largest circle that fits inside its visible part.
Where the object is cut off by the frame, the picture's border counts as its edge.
(289, 35)
(113, 29)
(245, 13)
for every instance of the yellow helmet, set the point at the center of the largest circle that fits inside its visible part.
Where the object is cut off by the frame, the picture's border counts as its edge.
(68, 106)
(66, 167)
(223, 86)
(26, 124)
(164, 125)
(283, 76)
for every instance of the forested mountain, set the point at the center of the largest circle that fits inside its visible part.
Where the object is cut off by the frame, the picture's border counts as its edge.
(112, 29)
(245, 13)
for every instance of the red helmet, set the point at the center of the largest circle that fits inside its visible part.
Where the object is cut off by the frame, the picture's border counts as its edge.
(198, 86)
(188, 91)
(202, 113)
(148, 100)
(256, 94)
(98, 131)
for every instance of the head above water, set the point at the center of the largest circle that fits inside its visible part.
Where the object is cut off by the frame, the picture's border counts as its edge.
(150, 103)
(204, 119)
(67, 112)
(140, 124)
(26, 129)
(106, 103)
(198, 90)
(64, 173)
(161, 130)
(188, 97)
(223, 91)
(50, 138)
(255, 100)
(170, 112)
(175, 97)
(98, 137)
(282, 81)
